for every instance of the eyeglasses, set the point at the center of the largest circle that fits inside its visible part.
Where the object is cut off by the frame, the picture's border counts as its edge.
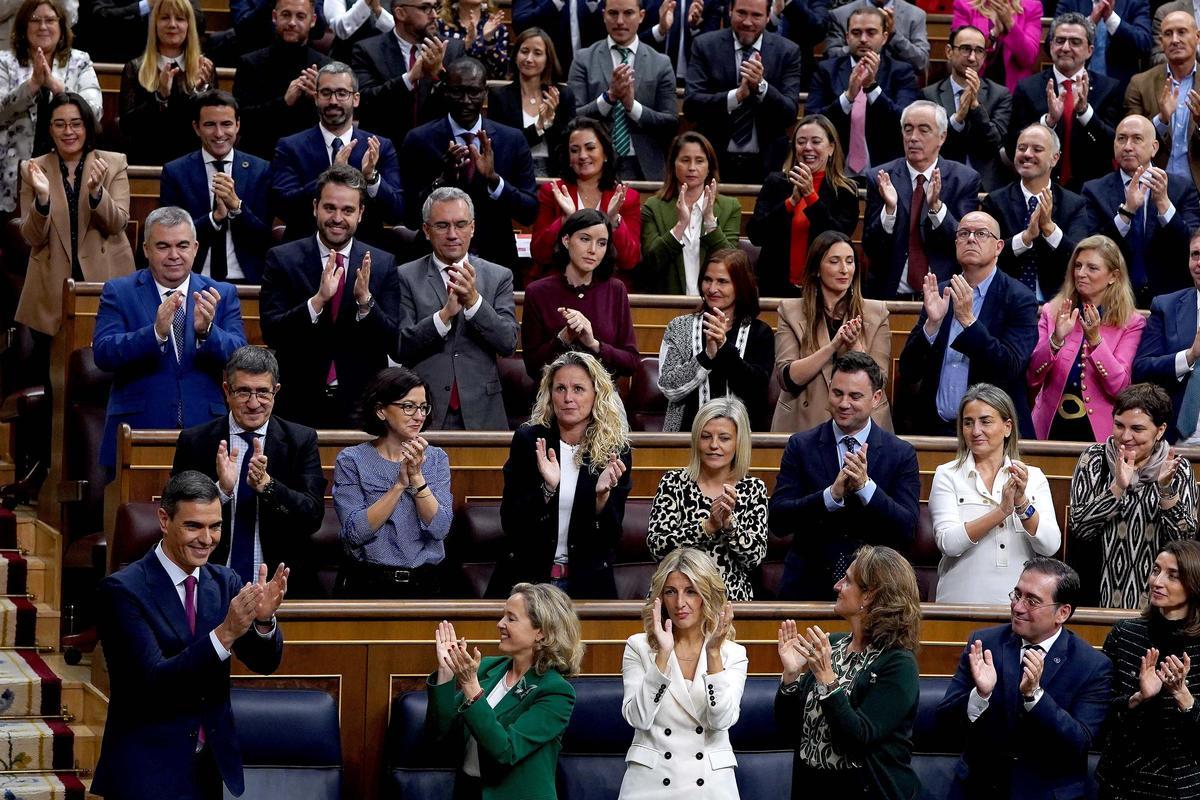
(48, 22)
(459, 225)
(965, 50)
(1073, 41)
(981, 235)
(262, 395)
(61, 125)
(410, 409)
(1031, 602)
(340, 94)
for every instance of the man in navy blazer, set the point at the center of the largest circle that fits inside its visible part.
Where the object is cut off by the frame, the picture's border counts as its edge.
(672, 31)
(489, 161)
(229, 211)
(1028, 698)
(980, 326)
(1126, 33)
(165, 334)
(951, 191)
(170, 623)
(302, 157)
(833, 495)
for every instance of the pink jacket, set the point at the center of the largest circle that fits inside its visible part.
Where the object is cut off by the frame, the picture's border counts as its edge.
(1106, 371)
(1021, 46)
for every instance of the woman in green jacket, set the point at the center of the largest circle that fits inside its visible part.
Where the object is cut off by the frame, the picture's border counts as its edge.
(687, 221)
(849, 701)
(507, 714)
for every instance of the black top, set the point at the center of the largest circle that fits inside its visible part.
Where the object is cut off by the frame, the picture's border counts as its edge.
(156, 132)
(262, 79)
(504, 106)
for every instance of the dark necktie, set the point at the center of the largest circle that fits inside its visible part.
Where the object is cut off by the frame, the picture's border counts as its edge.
(850, 444)
(241, 549)
(334, 147)
(189, 611)
(1137, 247)
(918, 262)
(334, 307)
(742, 119)
(1028, 273)
(469, 168)
(218, 263)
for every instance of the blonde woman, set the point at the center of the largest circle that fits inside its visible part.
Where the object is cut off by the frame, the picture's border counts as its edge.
(1088, 336)
(507, 713)
(480, 25)
(714, 504)
(1014, 36)
(565, 483)
(157, 87)
(684, 677)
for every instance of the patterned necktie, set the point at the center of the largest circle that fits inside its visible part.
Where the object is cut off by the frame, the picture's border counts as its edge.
(241, 549)
(177, 324)
(218, 266)
(334, 147)
(189, 611)
(334, 308)
(1068, 120)
(850, 444)
(918, 262)
(1028, 274)
(856, 159)
(620, 120)
(742, 120)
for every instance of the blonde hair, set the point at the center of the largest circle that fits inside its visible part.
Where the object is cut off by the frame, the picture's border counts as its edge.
(998, 399)
(699, 568)
(732, 409)
(608, 432)
(893, 616)
(1118, 301)
(148, 71)
(448, 12)
(984, 6)
(551, 612)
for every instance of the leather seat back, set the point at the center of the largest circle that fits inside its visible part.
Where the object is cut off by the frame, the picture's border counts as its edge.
(645, 403)
(136, 533)
(290, 741)
(85, 402)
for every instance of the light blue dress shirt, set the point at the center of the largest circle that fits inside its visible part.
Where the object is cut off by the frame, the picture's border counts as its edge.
(952, 384)
(867, 491)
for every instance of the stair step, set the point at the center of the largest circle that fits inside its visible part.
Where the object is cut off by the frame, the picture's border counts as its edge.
(43, 544)
(8, 472)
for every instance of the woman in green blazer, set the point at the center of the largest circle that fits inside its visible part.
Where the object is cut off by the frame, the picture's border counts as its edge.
(507, 714)
(687, 221)
(849, 701)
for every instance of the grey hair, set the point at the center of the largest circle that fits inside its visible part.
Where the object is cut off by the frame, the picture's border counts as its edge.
(446, 194)
(1055, 144)
(939, 113)
(252, 359)
(1074, 18)
(338, 68)
(997, 398)
(169, 217)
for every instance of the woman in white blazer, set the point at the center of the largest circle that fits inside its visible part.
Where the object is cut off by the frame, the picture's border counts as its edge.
(683, 685)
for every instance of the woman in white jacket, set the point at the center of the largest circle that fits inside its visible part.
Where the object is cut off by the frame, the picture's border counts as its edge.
(991, 512)
(683, 685)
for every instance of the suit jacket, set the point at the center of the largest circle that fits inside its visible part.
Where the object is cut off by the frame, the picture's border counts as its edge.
(531, 524)
(980, 142)
(908, 43)
(662, 270)
(806, 23)
(899, 86)
(1127, 47)
(1007, 206)
(299, 161)
(556, 21)
(468, 351)
(887, 253)
(654, 88)
(1091, 145)
(291, 512)
(1170, 329)
(712, 72)
(305, 350)
(167, 682)
(104, 250)
(185, 184)
(1166, 245)
(149, 384)
(1039, 754)
(424, 153)
(998, 345)
(1020, 46)
(822, 538)
(260, 83)
(504, 107)
(1141, 97)
(714, 14)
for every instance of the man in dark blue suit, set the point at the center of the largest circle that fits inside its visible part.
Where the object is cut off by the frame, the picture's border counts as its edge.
(487, 160)
(805, 22)
(165, 333)
(1028, 698)
(302, 157)
(671, 26)
(329, 306)
(1123, 35)
(225, 191)
(170, 623)
(1147, 211)
(572, 24)
(842, 484)
(913, 207)
(980, 326)
(870, 77)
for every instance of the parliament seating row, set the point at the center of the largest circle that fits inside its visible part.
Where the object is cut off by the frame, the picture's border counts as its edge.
(290, 742)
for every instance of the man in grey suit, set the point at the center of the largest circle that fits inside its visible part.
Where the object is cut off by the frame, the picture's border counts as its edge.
(909, 41)
(630, 88)
(456, 317)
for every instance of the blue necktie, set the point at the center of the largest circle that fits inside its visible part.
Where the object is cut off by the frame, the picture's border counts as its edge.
(1099, 62)
(1028, 274)
(241, 549)
(1137, 248)
(741, 121)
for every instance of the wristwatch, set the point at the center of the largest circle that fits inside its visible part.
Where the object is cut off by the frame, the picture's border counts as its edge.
(1028, 511)
(1032, 698)
(823, 690)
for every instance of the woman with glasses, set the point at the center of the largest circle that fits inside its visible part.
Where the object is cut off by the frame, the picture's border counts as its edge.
(392, 495)
(1014, 36)
(1132, 494)
(991, 512)
(481, 27)
(536, 102)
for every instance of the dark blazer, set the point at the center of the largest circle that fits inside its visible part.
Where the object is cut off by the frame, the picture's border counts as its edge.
(1036, 755)
(504, 107)
(359, 349)
(806, 23)
(899, 85)
(1131, 44)
(531, 524)
(771, 228)
(149, 384)
(185, 184)
(888, 253)
(299, 161)
(871, 723)
(156, 132)
(1091, 144)
(820, 538)
(557, 22)
(1171, 328)
(979, 143)
(166, 682)
(1007, 205)
(114, 31)
(714, 14)
(260, 83)
(294, 508)
(998, 345)
(424, 152)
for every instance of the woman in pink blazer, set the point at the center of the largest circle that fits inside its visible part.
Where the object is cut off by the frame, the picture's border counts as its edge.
(1014, 36)
(1087, 337)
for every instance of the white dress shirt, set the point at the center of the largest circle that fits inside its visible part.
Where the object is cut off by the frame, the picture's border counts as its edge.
(243, 452)
(442, 327)
(976, 705)
(889, 220)
(233, 269)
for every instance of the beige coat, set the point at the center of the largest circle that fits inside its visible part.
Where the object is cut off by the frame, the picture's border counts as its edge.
(809, 408)
(104, 250)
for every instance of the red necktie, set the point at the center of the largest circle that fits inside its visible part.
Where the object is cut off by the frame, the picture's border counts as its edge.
(336, 305)
(1068, 99)
(189, 611)
(469, 169)
(918, 263)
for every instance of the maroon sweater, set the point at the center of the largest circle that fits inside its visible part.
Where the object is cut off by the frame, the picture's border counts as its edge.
(605, 304)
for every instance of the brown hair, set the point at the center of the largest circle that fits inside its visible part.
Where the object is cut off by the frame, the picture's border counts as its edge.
(835, 169)
(553, 70)
(745, 287)
(893, 616)
(20, 32)
(1187, 556)
(811, 299)
(670, 187)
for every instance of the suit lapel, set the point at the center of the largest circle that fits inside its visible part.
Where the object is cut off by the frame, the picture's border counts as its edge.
(946, 97)
(58, 201)
(166, 597)
(434, 279)
(1010, 669)
(149, 294)
(209, 612)
(678, 685)
(823, 341)
(1055, 658)
(827, 444)
(904, 192)
(1185, 318)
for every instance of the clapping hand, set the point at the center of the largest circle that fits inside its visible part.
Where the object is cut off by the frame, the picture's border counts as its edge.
(1150, 679)
(608, 479)
(227, 467)
(206, 303)
(616, 201)
(166, 79)
(1166, 472)
(1173, 674)
(714, 331)
(256, 473)
(695, 13)
(1054, 104)
(1135, 191)
(484, 157)
(666, 16)
(1125, 470)
(720, 513)
(708, 198)
(95, 178)
(35, 176)
(362, 281)
(887, 193)
(855, 468)
(820, 655)
(563, 197)
(983, 671)
(580, 327)
(549, 106)
(963, 297)
(791, 651)
(933, 193)
(331, 278)
(1156, 179)
(464, 665)
(242, 611)
(443, 638)
(750, 75)
(663, 634)
(1064, 321)
(413, 452)
(547, 464)
(847, 335)
(1032, 662)
(166, 314)
(935, 304)
(272, 593)
(462, 283)
(1168, 100)
(801, 179)
(1091, 323)
(715, 639)
(1018, 476)
(370, 158)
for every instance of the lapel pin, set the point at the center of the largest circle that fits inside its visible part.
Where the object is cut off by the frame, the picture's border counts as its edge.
(245, 165)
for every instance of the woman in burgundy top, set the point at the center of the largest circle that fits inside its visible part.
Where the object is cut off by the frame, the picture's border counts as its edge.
(579, 306)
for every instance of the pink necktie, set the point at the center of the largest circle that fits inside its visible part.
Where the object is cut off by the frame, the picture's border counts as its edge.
(333, 311)
(189, 611)
(857, 160)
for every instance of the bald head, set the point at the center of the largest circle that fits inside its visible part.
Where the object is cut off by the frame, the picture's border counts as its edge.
(1135, 143)
(978, 219)
(1178, 38)
(977, 253)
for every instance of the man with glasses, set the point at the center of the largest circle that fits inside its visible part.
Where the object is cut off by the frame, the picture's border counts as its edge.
(1028, 698)
(301, 158)
(1123, 33)
(457, 316)
(268, 472)
(978, 326)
